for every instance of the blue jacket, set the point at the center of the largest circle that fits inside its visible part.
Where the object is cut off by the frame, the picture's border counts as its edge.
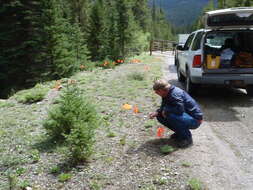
(178, 101)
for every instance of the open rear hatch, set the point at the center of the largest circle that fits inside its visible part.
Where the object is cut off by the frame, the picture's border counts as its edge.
(228, 47)
(229, 18)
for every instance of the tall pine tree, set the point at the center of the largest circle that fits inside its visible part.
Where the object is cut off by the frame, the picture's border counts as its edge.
(96, 30)
(142, 14)
(20, 35)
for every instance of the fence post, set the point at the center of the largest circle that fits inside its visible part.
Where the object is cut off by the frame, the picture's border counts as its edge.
(150, 47)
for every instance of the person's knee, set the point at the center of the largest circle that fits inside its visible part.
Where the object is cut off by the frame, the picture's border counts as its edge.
(194, 125)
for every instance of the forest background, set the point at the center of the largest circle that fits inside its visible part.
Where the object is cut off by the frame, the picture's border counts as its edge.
(44, 40)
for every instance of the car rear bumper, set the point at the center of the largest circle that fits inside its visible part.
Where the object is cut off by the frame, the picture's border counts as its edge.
(224, 79)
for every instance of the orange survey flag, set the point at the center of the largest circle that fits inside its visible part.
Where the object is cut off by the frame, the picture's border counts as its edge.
(146, 68)
(127, 106)
(135, 109)
(58, 85)
(160, 132)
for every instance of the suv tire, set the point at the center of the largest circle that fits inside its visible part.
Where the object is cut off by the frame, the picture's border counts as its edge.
(249, 90)
(180, 77)
(189, 86)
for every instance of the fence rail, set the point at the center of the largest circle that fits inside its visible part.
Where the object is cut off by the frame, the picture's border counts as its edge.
(162, 45)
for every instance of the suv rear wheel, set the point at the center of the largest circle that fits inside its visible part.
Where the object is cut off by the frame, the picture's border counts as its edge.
(249, 90)
(190, 87)
(180, 77)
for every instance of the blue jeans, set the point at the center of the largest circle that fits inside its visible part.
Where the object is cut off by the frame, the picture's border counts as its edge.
(180, 124)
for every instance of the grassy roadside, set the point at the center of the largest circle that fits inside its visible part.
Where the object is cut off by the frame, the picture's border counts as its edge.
(124, 157)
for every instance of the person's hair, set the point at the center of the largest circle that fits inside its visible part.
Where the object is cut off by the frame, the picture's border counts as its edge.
(161, 84)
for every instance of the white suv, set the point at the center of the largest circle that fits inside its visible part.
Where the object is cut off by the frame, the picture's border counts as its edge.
(220, 54)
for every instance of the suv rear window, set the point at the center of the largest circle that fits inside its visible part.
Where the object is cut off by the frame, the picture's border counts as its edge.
(231, 19)
(217, 39)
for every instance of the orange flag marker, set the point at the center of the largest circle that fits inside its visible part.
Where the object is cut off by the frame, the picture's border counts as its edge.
(146, 68)
(127, 106)
(135, 109)
(160, 132)
(58, 85)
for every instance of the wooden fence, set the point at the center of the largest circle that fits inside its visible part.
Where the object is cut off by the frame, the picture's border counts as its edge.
(162, 45)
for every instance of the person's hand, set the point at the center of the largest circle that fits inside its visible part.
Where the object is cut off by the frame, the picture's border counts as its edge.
(153, 115)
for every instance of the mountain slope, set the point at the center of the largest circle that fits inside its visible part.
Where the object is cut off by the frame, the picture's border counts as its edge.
(181, 12)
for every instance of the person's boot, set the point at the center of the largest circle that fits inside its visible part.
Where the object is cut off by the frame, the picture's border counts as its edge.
(184, 143)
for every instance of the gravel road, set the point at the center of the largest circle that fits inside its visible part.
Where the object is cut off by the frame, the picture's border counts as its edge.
(222, 155)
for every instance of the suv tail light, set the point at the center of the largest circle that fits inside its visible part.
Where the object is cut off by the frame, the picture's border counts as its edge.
(196, 61)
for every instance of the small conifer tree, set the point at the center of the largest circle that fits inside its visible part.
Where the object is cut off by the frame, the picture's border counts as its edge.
(74, 120)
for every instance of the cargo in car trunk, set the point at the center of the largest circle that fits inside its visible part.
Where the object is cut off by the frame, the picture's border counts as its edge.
(228, 50)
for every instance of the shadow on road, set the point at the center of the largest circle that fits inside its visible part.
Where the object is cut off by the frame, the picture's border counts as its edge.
(219, 104)
(152, 147)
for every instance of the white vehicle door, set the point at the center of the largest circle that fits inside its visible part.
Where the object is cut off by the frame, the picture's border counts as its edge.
(184, 58)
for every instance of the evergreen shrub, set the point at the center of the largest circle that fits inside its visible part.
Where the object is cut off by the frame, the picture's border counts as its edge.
(32, 95)
(74, 120)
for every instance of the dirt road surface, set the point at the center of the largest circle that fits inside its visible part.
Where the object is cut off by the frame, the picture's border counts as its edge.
(222, 155)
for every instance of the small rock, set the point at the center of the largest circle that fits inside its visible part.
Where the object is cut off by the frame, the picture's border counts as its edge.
(28, 188)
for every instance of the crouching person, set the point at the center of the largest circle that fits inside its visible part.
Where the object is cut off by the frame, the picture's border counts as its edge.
(178, 111)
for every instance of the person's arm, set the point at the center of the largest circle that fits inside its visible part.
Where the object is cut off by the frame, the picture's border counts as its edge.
(178, 105)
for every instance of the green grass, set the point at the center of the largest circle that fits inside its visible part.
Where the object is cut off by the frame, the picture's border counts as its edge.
(55, 170)
(150, 123)
(24, 184)
(166, 149)
(94, 185)
(32, 95)
(24, 146)
(161, 181)
(148, 187)
(6, 104)
(122, 141)
(20, 171)
(139, 76)
(64, 177)
(186, 164)
(195, 184)
(111, 134)
(35, 155)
